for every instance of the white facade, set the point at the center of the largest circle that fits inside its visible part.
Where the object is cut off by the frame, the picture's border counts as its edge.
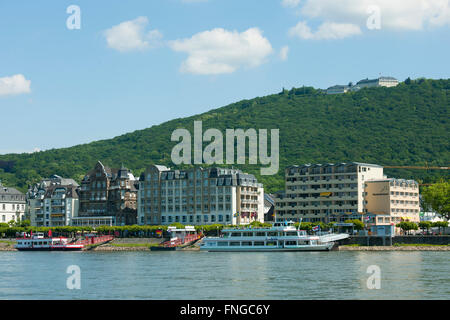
(380, 82)
(199, 196)
(53, 202)
(12, 204)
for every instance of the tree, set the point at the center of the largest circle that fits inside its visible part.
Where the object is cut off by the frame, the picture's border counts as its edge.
(407, 226)
(357, 224)
(440, 224)
(425, 225)
(437, 197)
(25, 223)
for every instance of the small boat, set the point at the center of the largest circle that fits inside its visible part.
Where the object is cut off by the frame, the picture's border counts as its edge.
(282, 236)
(38, 242)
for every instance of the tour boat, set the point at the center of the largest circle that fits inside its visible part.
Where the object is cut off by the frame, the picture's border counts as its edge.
(38, 242)
(282, 236)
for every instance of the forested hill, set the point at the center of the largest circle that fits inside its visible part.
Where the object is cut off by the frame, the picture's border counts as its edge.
(406, 125)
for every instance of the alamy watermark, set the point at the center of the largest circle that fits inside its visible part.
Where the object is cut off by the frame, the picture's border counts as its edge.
(74, 20)
(374, 20)
(374, 280)
(74, 280)
(213, 152)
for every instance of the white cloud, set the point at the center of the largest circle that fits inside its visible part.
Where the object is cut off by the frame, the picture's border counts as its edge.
(395, 14)
(290, 3)
(221, 51)
(16, 84)
(131, 35)
(327, 30)
(284, 53)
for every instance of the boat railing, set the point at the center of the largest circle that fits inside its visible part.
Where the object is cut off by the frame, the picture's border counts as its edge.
(179, 241)
(95, 240)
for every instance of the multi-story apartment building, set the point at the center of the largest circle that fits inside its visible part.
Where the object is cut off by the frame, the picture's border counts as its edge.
(53, 202)
(107, 196)
(12, 204)
(199, 196)
(391, 201)
(325, 192)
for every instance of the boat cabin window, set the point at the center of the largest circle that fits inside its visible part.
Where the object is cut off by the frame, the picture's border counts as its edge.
(236, 234)
(246, 243)
(271, 243)
(291, 243)
(247, 234)
(235, 243)
(259, 243)
(222, 244)
(260, 234)
(291, 233)
(272, 234)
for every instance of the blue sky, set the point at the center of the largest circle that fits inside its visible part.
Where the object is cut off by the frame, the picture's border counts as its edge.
(166, 59)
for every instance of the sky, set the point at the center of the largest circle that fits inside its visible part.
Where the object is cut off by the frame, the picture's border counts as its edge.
(73, 72)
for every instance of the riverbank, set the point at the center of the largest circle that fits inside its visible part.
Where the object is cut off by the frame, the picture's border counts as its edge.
(144, 244)
(395, 248)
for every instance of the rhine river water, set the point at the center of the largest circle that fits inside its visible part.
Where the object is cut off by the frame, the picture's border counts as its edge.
(225, 276)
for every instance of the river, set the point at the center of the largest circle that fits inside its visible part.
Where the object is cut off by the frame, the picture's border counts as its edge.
(207, 275)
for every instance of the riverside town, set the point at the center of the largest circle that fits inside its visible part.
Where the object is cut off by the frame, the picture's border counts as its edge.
(225, 159)
(322, 207)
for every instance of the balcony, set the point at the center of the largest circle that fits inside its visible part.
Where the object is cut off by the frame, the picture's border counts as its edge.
(58, 204)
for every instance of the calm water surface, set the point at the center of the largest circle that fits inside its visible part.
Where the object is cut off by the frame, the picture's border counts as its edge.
(207, 275)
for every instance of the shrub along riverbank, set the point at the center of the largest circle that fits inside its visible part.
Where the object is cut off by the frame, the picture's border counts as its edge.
(145, 231)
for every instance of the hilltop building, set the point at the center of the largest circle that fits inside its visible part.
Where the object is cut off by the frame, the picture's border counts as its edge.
(12, 204)
(52, 202)
(338, 89)
(107, 197)
(199, 196)
(380, 82)
(365, 83)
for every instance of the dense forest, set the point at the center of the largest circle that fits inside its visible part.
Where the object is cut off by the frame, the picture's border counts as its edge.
(405, 125)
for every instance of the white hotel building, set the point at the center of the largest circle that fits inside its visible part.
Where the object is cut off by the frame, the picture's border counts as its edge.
(12, 204)
(199, 196)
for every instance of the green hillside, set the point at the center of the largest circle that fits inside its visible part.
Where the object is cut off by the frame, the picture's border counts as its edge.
(405, 125)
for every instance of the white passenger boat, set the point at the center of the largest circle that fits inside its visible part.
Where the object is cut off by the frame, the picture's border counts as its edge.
(38, 242)
(282, 236)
